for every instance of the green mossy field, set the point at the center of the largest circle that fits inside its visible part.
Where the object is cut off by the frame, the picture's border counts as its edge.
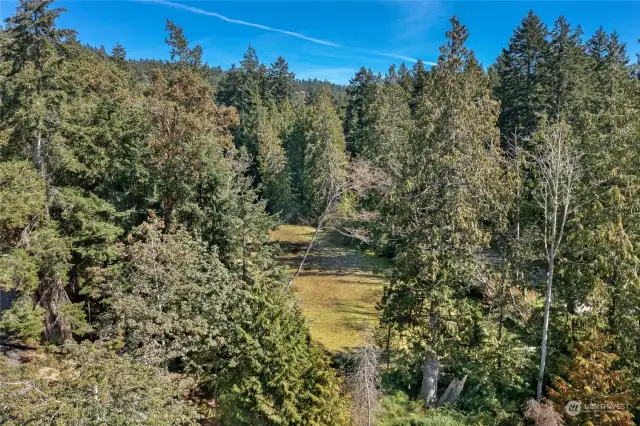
(339, 286)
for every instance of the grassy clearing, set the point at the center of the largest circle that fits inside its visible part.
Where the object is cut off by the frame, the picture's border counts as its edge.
(339, 286)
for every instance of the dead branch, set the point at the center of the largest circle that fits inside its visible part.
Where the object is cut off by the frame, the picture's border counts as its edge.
(365, 382)
(543, 414)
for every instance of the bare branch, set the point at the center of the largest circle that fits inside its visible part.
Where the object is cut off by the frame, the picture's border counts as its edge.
(365, 382)
(559, 171)
(361, 178)
(543, 414)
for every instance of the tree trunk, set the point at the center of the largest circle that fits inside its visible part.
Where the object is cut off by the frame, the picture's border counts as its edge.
(429, 387)
(457, 390)
(38, 155)
(545, 330)
(52, 296)
(430, 366)
(166, 218)
(445, 396)
(41, 167)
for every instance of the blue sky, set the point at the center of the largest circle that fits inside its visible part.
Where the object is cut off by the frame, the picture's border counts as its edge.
(327, 39)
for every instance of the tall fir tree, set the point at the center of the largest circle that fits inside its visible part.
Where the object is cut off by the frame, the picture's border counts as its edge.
(448, 195)
(358, 115)
(272, 160)
(72, 230)
(404, 78)
(281, 81)
(600, 291)
(324, 157)
(419, 77)
(564, 72)
(181, 53)
(520, 88)
(188, 131)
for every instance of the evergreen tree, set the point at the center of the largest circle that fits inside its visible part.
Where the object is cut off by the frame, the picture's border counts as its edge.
(295, 145)
(324, 157)
(419, 76)
(600, 289)
(188, 130)
(447, 188)
(35, 51)
(250, 84)
(119, 54)
(250, 62)
(181, 53)
(564, 72)
(272, 160)
(171, 299)
(404, 78)
(385, 139)
(385, 149)
(228, 92)
(392, 75)
(281, 81)
(23, 194)
(264, 83)
(360, 96)
(596, 47)
(73, 230)
(90, 384)
(241, 86)
(241, 221)
(592, 379)
(520, 89)
(106, 128)
(280, 378)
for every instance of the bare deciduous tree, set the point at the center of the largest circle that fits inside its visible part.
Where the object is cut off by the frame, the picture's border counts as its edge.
(543, 414)
(558, 168)
(365, 382)
(361, 177)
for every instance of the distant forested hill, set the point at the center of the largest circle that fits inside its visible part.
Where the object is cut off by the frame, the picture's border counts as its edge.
(142, 68)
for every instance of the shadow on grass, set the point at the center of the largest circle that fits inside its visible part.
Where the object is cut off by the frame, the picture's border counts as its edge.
(341, 263)
(331, 253)
(339, 285)
(346, 282)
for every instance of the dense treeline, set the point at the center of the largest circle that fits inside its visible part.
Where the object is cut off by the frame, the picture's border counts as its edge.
(136, 199)
(130, 224)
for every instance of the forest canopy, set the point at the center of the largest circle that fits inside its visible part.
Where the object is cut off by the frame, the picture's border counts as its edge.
(137, 199)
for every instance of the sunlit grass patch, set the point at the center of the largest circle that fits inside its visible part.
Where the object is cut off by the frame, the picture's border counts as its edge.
(292, 234)
(339, 286)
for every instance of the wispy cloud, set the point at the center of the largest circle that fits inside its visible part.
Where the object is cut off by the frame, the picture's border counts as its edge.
(418, 16)
(278, 30)
(388, 55)
(240, 22)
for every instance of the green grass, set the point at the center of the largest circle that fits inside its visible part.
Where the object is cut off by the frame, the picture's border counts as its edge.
(339, 286)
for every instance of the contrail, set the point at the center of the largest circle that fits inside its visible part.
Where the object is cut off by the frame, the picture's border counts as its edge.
(277, 30)
(389, 55)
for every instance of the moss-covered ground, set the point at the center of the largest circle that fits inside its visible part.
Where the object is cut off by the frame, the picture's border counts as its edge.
(339, 285)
